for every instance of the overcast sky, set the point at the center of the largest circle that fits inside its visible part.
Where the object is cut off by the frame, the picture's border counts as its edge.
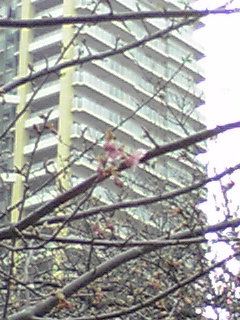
(222, 85)
(222, 88)
(220, 38)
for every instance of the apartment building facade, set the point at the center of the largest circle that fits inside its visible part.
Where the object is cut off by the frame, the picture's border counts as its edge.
(130, 93)
(147, 95)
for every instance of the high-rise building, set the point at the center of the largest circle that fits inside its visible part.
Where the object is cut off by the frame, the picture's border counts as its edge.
(74, 107)
(52, 129)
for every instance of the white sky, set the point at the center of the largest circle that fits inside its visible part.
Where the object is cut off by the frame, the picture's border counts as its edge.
(222, 87)
(220, 37)
(222, 64)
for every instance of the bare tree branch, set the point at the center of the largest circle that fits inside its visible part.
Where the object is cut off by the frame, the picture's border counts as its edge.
(46, 22)
(140, 255)
(121, 244)
(142, 201)
(186, 142)
(13, 230)
(99, 56)
(42, 308)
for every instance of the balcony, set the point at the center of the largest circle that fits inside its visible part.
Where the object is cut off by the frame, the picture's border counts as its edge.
(42, 170)
(45, 42)
(35, 119)
(49, 90)
(9, 98)
(46, 194)
(148, 58)
(44, 4)
(109, 96)
(47, 142)
(94, 127)
(56, 10)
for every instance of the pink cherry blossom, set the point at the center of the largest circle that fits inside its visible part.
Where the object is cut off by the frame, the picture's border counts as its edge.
(113, 151)
(133, 159)
(118, 182)
(109, 145)
(116, 179)
(98, 230)
(110, 226)
(100, 170)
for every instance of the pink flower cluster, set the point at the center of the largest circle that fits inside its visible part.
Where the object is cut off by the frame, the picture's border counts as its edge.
(100, 229)
(108, 164)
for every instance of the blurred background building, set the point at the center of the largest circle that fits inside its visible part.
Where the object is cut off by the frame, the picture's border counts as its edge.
(74, 108)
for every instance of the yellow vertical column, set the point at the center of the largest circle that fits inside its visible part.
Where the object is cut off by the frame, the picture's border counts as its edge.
(20, 132)
(66, 96)
(65, 118)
